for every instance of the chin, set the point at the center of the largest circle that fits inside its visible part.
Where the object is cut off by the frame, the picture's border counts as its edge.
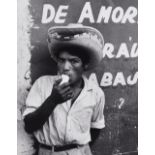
(72, 82)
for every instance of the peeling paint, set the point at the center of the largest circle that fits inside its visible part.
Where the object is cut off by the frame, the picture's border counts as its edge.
(24, 24)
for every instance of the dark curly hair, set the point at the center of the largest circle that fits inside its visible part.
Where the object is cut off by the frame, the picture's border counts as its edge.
(76, 51)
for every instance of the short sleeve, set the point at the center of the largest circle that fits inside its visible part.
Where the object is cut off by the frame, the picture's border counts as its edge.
(33, 100)
(98, 120)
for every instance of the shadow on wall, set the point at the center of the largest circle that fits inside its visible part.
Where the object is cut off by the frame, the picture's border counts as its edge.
(41, 62)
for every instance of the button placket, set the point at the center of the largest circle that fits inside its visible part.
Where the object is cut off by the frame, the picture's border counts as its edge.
(68, 128)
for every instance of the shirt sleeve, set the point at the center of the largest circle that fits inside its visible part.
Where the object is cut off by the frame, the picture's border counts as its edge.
(98, 120)
(33, 100)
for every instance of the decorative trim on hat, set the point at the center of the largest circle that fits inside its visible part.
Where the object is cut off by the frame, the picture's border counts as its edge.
(85, 35)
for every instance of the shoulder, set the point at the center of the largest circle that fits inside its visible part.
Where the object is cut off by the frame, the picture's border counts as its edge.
(97, 93)
(44, 82)
(97, 90)
(45, 79)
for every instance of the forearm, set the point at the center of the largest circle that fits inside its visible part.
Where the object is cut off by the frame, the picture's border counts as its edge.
(94, 135)
(36, 119)
(59, 94)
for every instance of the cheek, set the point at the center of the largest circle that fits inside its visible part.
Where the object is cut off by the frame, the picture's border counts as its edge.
(78, 71)
(59, 67)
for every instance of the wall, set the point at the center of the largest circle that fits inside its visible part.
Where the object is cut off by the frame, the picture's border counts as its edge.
(116, 74)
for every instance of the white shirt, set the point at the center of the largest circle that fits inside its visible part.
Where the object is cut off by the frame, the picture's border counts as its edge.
(67, 124)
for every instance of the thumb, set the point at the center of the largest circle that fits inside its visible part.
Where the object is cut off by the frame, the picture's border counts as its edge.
(58, 80)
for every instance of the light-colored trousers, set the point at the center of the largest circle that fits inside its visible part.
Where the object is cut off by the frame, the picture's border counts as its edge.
(82, 150)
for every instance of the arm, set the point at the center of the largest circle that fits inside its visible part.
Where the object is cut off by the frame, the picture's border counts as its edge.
(36, 119)
(98, 121)
(94, 135)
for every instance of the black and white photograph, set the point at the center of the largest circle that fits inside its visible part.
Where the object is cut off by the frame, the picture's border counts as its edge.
(77, 77)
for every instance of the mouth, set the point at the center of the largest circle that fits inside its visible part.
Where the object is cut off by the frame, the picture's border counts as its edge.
(66, 74)
(64, 79)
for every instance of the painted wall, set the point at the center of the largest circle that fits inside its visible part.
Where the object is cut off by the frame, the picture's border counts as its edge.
(116, 74)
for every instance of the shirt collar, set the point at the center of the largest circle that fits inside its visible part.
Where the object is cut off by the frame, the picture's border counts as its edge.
(88, 84)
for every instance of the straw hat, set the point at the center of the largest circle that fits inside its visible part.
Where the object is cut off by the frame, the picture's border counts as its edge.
(74, 35)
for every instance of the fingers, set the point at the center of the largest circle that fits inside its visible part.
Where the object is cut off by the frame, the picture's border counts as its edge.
(67, 96)
(57, 82)
(66, 92)
(64, 85)
(62, 92)
(65, 89)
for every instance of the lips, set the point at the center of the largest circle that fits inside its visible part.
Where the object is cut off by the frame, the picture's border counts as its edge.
(69, 75)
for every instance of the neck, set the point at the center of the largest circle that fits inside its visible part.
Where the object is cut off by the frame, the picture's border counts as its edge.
(78, 85)
(77, 88)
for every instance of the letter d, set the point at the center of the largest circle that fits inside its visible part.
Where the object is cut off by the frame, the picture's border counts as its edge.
(48, 13)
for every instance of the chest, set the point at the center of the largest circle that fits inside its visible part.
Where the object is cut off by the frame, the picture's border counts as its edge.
(81, 108)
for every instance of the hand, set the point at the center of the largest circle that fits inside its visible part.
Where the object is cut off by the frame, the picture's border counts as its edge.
(61, 93)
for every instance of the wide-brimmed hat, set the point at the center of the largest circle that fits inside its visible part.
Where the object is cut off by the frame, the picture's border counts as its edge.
(86, 38)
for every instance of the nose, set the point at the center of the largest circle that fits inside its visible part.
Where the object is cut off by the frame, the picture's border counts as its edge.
(67, 66)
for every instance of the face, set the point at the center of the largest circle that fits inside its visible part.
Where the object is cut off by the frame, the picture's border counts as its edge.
(71, 65)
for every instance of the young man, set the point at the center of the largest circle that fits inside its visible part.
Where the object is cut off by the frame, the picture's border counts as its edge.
(66, 117)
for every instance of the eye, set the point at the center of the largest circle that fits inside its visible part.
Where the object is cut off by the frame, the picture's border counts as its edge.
(74, 61)
(60, 60)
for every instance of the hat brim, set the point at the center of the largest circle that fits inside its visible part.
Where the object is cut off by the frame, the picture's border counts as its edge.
(89, 46)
